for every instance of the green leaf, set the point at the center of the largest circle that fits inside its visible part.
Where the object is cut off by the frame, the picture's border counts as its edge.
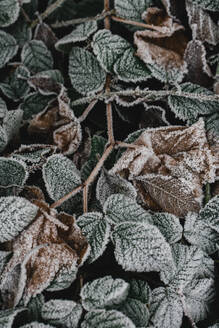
(34, 103)
(189, 109)
(108, 48)
(130, 68)
(32, 154)
(211, 5)
(170, 76)
(96, 230)
(21, 31)
(36, 324)
(64, 278)
(120, 208)
(34, 307)
(103, 292)
(9, 12)
(209, 214)
(140, 290)
(80, 33)
(60, 176)
(212, 124)
(8, 46)
(106, 319)
(4, 258)
(62, 313)
(15, 214)
(132, 9)
(169, 226)
(13, 174)
(86, 74)
(136, 311)
(166, 308)
(3, 109)
(109, 184)
(7, 317)
(141, 247)
(36, 57)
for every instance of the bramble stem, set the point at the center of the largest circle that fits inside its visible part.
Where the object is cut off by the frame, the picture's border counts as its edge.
(130, 22)
(87, 111)
(66, 197)
(49, 10)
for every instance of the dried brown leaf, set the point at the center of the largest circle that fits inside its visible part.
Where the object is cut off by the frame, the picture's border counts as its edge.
(174, 154)
(44, 33)
(44, 84)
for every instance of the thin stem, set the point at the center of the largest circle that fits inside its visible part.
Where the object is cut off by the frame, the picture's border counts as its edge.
(87, 111)
(27, 18)
(111, 139)
(130, 22)
(126, 145)
(66, 197)
(49, 10)
(107, 18)
(83, 20)
(85, 199)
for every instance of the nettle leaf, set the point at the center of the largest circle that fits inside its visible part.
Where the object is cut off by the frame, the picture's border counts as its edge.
(141, 247)
(60, 176)
(189, 109)
(80, 33)
(9, 12)
(166, 308)
(108, 48)
(140, 290)
(16, 86)
(136, 311)
(203, 230)
(8, 46)
(15, 214)
(106, 319)
(7, 317)
(109, 184)
(62, 313)
(132, 10)
(36, 57)
(36, 324)
(97, 231)
(12, 174)
(169, 226)
(104, 292)
(34, 103)
(120, 208)
(130, 68)
(86, 74)
(207, 4)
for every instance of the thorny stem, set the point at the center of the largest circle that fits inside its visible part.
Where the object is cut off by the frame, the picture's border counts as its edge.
(83, 20)
(130, 22)
(87, 111)
(49, 10)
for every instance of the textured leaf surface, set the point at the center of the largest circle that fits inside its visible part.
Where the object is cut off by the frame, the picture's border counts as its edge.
(36, 57)
(34, 103)
(169, 226)
(9, 12)
(85, 72)
(21, 31)
(4, 257)
(108, 48)
(120, 208)
(104, 292)
(8, 47)
(207, 4)
(15, 214)
(109, 184)
(136, 311)
(7, 317)
(36, 324)
(106, 319)
(97, 230)
(64, 278)
(140, 290)
(132, 10)
(35, 306)
(62, 313)
(141, 247)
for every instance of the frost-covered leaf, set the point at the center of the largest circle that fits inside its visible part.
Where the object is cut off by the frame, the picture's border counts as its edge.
(86, 74)
(212, 124)
(8, 46)
(106, 319)
(44, 33)
(3, 109)
(64, 278)
(210, 213)
(35, 306)
(16, 87)
(13, 175)
(211, 5)
(80, 33)
(96, 230)
(166, 308)
(169, 226)
(132, 10)
(65, 11)
(21, 31)
(4, 257)
(104, 293)
(9, 12)
(7, 317)
(141, 247)
(109, 184)
(34, 103)
(108, 48)
(62, 313)
(36, 57)
(140, 290)
(32, 154)
(136, 311)
(202, 26)
(130, 68)
(44, 84)
(15, 214)
(36, 324)
(120, 208)
(60, 176)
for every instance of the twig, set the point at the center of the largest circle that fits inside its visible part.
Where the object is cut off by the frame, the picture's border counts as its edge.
(66, 197)
(83, 20)
(87, 111)
(139, 24)
(49, 10)
(85, 198)
(126, 145)
(107, 18)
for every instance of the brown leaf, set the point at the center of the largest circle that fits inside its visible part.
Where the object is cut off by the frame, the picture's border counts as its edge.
(49, 230)
(202, 26)
(44, 33)
(165, 44)
(175, 155)
(44, 84)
